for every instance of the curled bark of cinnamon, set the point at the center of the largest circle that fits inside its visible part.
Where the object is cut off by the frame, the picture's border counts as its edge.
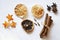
(47, 25)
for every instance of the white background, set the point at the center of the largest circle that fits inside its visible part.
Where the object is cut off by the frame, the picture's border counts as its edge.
(7, 6)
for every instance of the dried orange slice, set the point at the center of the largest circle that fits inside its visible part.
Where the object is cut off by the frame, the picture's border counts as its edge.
(37, 11)
(28, 25)
(21, 10)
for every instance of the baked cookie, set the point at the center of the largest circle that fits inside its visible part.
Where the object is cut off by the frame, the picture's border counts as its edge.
(37, 11)
(27, 25)
(21, 10)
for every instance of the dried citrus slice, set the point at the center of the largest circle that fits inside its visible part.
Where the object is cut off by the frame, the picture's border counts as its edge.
(27, 25)
(37, 11)
(21, 10)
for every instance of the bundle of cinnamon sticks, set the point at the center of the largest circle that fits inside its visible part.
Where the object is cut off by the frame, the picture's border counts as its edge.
(47, 25)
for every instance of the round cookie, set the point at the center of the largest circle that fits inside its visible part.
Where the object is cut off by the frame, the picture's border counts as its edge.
(21, 10)
(37, 11)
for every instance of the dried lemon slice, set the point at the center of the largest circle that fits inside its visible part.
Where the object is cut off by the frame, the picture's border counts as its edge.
(21, 10)
(37, 11)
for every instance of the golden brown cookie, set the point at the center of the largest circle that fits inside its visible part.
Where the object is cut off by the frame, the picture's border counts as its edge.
(6, 24)
(13, 24)
(9, 17)
(21, 10)
(37, 11)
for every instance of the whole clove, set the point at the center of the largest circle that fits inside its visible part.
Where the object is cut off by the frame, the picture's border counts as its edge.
(54, 7)
(37, 23)
(35, 20)
(48, 8)
(47, 25)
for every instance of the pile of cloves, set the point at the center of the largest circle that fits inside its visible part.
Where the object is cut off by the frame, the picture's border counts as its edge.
(52, 7)
(47, 26)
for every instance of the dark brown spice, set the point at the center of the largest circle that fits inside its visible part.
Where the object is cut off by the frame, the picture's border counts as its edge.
(38, 24)
(54, 7)
(48, 8)
(35, 24)
(35, 20)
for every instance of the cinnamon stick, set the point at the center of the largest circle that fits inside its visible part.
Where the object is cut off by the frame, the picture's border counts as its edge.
(46, 19)
(48, 22)
(44, 32)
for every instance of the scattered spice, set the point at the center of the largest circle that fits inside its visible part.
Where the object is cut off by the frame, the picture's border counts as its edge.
(35, 20)
(54, 8)
(37, 23)
(54, 5)
(48, 8)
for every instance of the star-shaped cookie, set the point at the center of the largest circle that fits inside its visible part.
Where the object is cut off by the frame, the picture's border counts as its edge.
(6, 24)
(9, 17)
(13, 24)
